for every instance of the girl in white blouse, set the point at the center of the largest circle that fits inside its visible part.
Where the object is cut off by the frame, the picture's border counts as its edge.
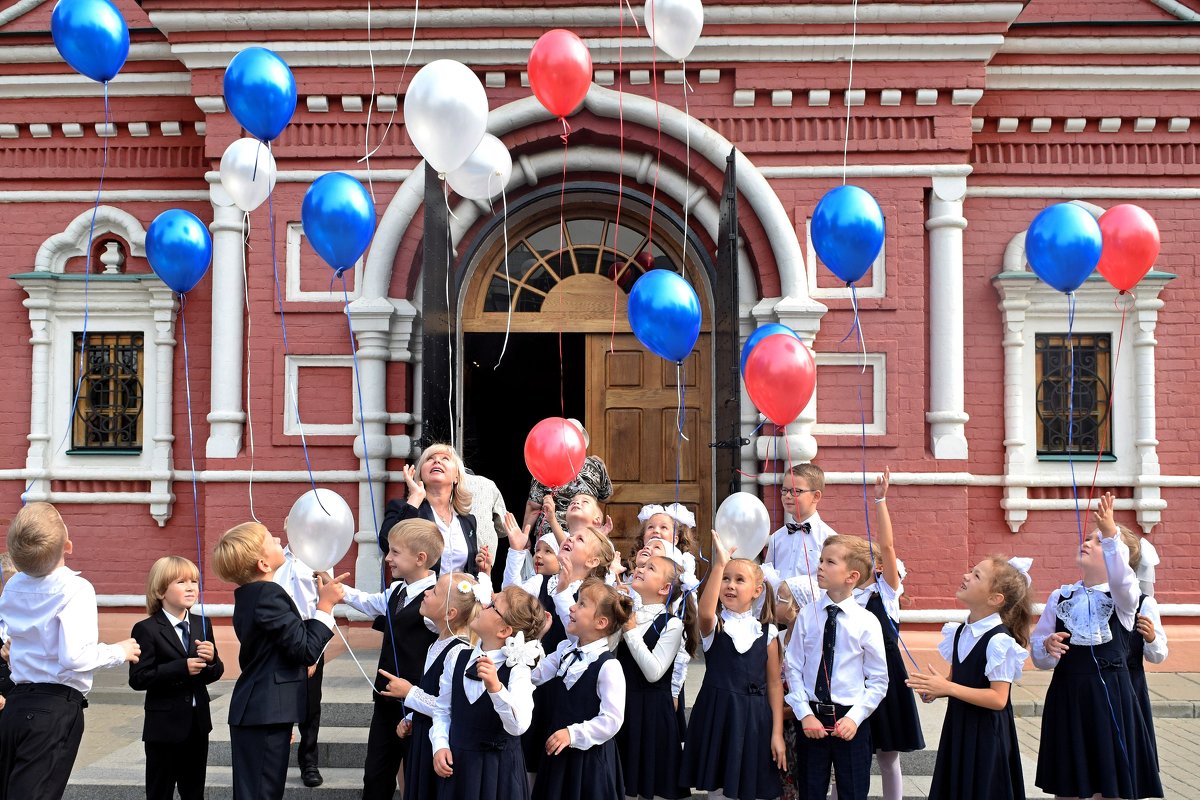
(978, 755)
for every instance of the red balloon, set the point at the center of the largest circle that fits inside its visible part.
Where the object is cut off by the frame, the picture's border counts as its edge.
(554, 452)
(560, 71)
(1131, 244)
(780, 377)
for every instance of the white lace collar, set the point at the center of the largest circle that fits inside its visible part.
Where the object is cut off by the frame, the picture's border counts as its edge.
(742, 627)
(1086, 613)
(647, 613)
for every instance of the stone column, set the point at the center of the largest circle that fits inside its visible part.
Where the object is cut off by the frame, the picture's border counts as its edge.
(1147, 494)
(947, 416)
(226, 418)
(162, 302)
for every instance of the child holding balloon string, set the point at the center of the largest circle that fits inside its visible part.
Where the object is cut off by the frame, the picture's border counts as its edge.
(795, 549)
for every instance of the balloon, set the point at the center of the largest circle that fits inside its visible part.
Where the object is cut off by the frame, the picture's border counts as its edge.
(770, 329)
(485, 173)
(1063, 245)
(780, 377)
(664, 313)
(320, 528)
(560, 71)
(743, 522)
(674, 25)
(179, 249)
(847, 231)
(554, 452)
(445, 113)
(339, 219)
(1131, 244)
(260, 91)
(91, 36)
(248, 173)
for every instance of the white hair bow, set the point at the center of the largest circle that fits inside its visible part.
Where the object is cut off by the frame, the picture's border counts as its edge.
(518, 651)
(649, 511)
(1022, 566)
(482, 591)
(551, 541)
(680, 514)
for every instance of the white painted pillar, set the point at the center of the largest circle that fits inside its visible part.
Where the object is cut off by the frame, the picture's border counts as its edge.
(39, 302)
(226, 417)
(162, 301)
(947, 414)
(1146, 493)
(1017, 453)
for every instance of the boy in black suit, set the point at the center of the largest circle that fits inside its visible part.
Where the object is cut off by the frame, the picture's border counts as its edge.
(179, 659)
(270, 695)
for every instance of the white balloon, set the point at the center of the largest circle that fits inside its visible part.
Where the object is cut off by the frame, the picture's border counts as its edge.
(743, 522)
(675, 25)
(248, 173)
(320, 533)
(485, 173)
(445, 113)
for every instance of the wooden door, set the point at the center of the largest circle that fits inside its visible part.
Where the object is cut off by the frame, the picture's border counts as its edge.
(632, 408)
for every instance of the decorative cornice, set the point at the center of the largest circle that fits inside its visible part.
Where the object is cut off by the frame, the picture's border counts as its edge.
(1093, 78)
(1101, 45)
(1113, 125)
(127, 84)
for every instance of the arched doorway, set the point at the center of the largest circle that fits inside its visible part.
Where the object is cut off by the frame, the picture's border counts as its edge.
(565, 355)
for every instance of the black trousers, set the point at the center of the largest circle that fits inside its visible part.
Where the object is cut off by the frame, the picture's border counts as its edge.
(851, 762)
(306, 751)
(39, 739)
(385, 751)
(260, 760)
(178, 764)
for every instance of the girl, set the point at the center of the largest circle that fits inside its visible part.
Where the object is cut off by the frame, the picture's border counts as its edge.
(978, 755)
(786, 611)
(452, 605)
(584, 687)
(895, 726)
(1149, 642)
(736, 729)
(651, 741)
(476, 739)
(674, 524)
(585, 553)
(1095, 739)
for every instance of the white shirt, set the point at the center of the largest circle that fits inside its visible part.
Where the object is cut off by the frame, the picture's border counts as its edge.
(743, 628)
(486, 505)
(796, 556)
(679, 671)
(657, 662)
(454, 543)
(859, 676)
(54, 627)
(889, 596)
(448, 650)
(376, 604)
(1122, 583)
(1145, 570)
(565, 599)
(1155, 652)
(296, 578)
(513, 703)
(514, 573)
(187, 646)
(610, 686)
(1005, 658)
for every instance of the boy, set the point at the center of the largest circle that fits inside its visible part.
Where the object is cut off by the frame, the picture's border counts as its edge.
(49, 616)
(414, 546)
(795, 549)
(277, 647)
(297, 580)
(837, 674)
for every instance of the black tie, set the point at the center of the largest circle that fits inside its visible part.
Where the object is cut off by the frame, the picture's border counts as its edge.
(821, 690)
(187, 635)
(401, 594)
(803, 527)
(569, 658)
(473, 671)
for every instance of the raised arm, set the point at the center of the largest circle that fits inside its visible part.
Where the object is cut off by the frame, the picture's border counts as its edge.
(883, 525)
(712, 587)
(1122, 580)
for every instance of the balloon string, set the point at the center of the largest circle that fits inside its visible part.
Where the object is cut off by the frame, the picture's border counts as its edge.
(350, 650)
(1071, 410)
(187, 390)
(658, 141)
(616, 270)
(680, 412)
(849, 85)
(507, 281)
(370, 105)
(562, 233)
(362, 417)
(687, 173)
(856, 327)
(400, 83)
(1111, 397)
(449, 327)
(249, 338)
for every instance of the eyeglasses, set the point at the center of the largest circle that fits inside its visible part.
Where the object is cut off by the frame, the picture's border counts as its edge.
(794, 492)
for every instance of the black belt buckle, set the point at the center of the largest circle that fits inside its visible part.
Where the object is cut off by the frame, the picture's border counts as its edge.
(826, 713)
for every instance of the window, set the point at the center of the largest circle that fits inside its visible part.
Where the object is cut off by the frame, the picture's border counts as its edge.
(108, 414)
(1073, 416)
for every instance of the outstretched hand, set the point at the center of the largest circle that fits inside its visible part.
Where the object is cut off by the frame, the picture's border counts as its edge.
(930, 685)
(1104, 516)
(415, 493)
(882, 483)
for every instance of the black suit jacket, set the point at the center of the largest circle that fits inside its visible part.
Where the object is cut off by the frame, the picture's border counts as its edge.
(161, 672)
(277, 649)
(399, 510)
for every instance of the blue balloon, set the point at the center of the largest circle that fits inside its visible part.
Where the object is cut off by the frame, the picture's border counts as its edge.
(261, 92)
(847, 231)
(1063, 246)
(664, 313)
(339, 219)
(763, 332)
(91, 36)
(179, 249)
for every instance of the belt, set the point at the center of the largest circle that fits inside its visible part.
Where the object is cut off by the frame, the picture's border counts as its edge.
(65, 692)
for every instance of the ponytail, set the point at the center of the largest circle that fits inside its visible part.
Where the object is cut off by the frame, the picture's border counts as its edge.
(1017, 611)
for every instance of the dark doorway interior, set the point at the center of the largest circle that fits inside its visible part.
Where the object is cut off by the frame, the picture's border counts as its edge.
(501, 404)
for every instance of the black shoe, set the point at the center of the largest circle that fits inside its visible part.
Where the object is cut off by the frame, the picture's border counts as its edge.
(311, 776)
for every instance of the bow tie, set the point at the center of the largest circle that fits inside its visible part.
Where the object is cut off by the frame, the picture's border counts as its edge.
(472, 671)
(803, 527)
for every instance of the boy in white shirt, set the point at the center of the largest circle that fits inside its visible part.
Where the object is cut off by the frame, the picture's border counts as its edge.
(795, 549)
(49, 615)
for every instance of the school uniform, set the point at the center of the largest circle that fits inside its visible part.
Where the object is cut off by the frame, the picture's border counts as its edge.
(795, 551)
(649, 742)
(558, 604)
(728, 745)
(895, 724)
(482, 730)
(584, 688)
(53, 625)
(297, 580)
(407, 637)
(1082, 752)
(978, 756)
(420, 781)
(1141, 651)
(836, 668)
(460, 539)
(177, 723)
(271, 694)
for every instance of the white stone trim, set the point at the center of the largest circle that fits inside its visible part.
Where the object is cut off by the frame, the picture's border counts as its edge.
(866, 171)
(294, 267)
(107, 196)
(292, 364)
(54, 253)
(1178, 9)
(126, 84)
(877, 363)
(1106, 45)
(947, 416)
(1088, 192)
(1093, 78)
(875, 289)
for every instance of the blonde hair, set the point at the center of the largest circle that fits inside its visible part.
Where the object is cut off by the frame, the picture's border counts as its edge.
(236, 556)
(1134, 544)
(465, 603)
(460, 495)
(811, 473)
(857, 553)
(605, 551)
(767, 615)
(1017, 611)
(418, 536)
(7, 567)
(614, 606)
(163, 573)
(37, 539)
(525, 614)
